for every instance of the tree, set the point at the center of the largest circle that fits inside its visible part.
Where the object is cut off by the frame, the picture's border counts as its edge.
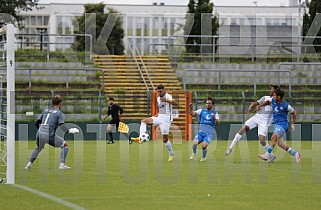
(314, 8)
(11, 7)
(199, 20)
(105, 28)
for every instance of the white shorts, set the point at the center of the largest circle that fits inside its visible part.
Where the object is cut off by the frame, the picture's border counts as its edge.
(261, 124)
(163, 122)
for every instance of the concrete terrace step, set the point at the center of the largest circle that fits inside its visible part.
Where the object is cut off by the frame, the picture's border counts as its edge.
(97, 57)
(147, 58)
(148, 63)
(140, 83)
(126, 85)
(150, 70)
(155, 79)
(121, 76)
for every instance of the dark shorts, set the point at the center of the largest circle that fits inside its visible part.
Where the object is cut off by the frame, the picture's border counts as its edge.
(115, 122)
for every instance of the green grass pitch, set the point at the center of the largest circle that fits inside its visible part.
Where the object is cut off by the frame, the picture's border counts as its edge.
(138, 176)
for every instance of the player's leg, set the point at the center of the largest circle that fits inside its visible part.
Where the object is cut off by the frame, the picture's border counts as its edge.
(288, 149)
(164, 128)
(197, 140)
(35, 152)
(144, 123)
(262, 133)
(117, 126)
(128, 137)
(143, 127)
(109, 131)
(249, 124)
(205, 143)
(60, 142)
(277, 132)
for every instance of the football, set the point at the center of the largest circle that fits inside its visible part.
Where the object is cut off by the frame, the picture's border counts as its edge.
(144, 137)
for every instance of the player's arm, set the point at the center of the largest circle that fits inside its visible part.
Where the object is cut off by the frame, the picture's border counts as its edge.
(267, 102)
(293, 120)
(252, 106)
(173, 102)
(256, 103)
(121, 111)
(216, 118)
(37, 124)
(191, 111)
(293, 114)
(108, 111)
(169, 100)
(61, 123)
(63, 127)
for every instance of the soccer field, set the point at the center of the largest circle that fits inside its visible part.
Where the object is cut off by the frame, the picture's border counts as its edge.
(138, 176)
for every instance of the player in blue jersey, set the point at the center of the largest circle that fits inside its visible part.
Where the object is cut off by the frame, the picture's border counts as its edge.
(208, 119)
(280, 108)
(47, 124)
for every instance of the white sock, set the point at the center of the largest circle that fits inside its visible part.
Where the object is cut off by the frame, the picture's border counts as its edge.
(169, 147)
(61, 164)
(29, 164)
(265, 147)
(142, 128)
(235, 140)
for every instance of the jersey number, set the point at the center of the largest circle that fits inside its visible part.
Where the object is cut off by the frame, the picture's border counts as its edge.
(46, 120)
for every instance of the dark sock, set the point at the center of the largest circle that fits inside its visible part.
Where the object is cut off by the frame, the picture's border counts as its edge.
(111, 136)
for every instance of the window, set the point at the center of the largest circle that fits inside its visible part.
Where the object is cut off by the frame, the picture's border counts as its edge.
(45, 20)
(235, 35)
(39, 20)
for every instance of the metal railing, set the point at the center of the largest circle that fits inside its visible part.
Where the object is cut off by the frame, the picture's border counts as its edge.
(42, 42)
(256, 47)
(255, 74)
(133, 48)
(67, 76)
(27, 75)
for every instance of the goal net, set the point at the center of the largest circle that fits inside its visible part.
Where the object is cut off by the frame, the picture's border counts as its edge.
(7, 105)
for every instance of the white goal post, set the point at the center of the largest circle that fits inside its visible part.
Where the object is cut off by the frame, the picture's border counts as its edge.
(10, 105)
(9, 102)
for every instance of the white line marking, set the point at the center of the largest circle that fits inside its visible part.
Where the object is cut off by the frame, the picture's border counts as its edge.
(50, 197)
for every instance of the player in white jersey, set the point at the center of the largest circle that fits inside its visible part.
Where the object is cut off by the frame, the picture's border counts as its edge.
(262, 119)
(163, 119)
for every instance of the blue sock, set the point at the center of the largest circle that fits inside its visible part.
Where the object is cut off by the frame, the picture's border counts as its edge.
(63, 154)
(204, 151)
(269, 149)
(194, 147)
(292, 151)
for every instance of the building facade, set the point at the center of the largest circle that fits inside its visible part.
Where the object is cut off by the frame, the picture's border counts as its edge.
(156, 28)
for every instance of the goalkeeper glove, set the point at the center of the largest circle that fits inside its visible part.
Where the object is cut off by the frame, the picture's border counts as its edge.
(73, 130)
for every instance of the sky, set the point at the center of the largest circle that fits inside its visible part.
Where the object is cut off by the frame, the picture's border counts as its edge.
(179, 2)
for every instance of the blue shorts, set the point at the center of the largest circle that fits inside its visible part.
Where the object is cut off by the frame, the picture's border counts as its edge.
(201, 136)
(280, 129)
